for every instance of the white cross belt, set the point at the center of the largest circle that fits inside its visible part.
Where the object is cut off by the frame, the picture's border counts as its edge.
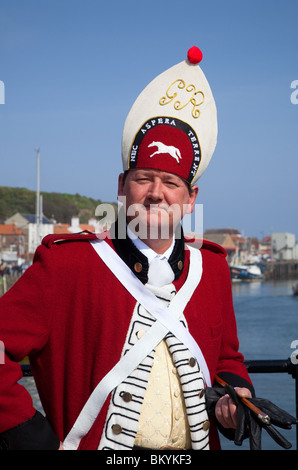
(164, 323)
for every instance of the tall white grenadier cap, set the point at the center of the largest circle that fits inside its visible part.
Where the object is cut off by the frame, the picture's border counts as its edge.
(172, 125)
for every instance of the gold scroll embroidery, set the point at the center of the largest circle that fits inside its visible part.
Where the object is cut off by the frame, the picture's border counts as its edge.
(180, 85)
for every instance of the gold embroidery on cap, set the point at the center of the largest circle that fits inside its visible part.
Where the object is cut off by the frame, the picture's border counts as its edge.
(171, 94)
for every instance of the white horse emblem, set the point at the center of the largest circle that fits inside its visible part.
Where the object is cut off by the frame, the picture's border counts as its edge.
(162, 148)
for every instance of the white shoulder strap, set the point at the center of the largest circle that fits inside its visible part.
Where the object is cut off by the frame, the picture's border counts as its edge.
(148, 342)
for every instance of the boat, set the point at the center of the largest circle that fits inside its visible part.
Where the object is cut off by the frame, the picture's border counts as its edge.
(246, 272)
(295, 290)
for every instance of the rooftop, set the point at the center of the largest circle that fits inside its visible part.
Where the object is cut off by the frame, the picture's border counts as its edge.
(10, 229)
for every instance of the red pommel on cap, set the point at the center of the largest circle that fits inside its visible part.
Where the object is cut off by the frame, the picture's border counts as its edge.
(194, 55)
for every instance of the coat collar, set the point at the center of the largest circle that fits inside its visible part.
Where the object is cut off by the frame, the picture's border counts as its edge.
(138, 262)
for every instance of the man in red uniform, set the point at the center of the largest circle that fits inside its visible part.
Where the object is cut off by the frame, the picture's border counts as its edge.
(124, 333)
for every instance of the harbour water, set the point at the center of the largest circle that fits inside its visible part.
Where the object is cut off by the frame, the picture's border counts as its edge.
(267, 319)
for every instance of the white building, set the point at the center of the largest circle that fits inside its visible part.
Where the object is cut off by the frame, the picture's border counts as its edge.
(37, 232)
(284, 246)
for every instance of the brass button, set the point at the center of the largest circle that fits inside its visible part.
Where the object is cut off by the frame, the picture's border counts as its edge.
(180, 265)
(206, 425)
(117, 429)
(201, 393)
(138, 267)
(192, 362)
(140, 334)
(127, 397)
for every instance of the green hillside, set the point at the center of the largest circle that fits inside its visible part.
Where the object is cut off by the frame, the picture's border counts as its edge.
(59, 206)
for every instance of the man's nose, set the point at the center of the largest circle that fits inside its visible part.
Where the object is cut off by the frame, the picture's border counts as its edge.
(156, 190)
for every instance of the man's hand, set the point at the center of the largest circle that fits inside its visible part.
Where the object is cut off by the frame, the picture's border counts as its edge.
(226, 410)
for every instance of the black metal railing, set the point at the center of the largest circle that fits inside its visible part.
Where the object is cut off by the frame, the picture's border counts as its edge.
(26, 369)
(253, 366)
(277, 366)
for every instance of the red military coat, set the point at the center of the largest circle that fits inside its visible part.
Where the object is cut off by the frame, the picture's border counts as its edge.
(70, 315)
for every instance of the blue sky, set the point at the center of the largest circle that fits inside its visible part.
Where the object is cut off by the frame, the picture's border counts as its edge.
(72, 70)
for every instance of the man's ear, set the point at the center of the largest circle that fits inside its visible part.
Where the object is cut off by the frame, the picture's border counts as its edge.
(120, 184)
(192, 198)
